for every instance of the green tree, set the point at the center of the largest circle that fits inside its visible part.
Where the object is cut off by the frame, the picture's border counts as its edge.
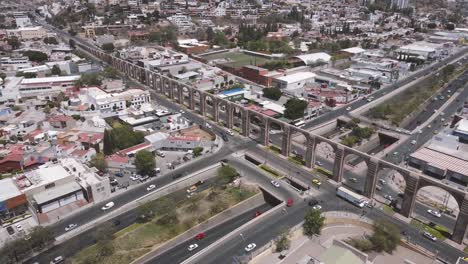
(40, 237)
(89, 79)
(145, 162)
(228, 173)
(272, 93)
(313, 222)
(46, 109)
(283, 242)
(209, 34)
(27, 75)
(36, 56)
(105, 248)
(109, 47)
(108, 143)
(295, 108)
(56, 70)
(50, 40)
(14, 42)
(197, 151)
(386, 236)
(110, 72)
(99, 162)
(3, 76)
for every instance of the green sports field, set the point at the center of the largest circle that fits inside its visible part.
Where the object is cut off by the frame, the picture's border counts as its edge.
(237, 59)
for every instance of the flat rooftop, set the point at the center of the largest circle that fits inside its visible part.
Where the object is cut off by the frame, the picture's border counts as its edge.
(442, 160)
(56, 192)
(8, 189)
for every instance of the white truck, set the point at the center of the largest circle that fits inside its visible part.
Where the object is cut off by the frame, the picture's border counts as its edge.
(351, 197)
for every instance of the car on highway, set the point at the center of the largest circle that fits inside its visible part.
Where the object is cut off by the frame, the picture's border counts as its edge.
(382, 181)
(318, 163)
(250, 247)
(10, 230)
(157, 171)
(429, 236)
(434, 213)
(348, 108)
(182, 111)
(290, 202)
(107, 206)
(413, 142)
(258, 213)
(70, 227)
(317, 207)
(229, 131)
(388, 197)
(208, 125)
(151, 187)
(200, 236)
(353, 180)
(192, 189)
(119, 174)
(316, 182)
(57, 260)
(192, 247)
(313, 202)
(275, 183)
(436, 132)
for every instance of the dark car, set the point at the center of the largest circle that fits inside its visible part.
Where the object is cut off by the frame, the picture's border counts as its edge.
(199, 183)
(225, 138)
(313, 202)
(10, 230)
(176, 176)
(116, 222)
(119, 174)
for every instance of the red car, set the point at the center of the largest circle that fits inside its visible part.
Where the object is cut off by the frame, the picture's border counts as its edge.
(290, 202)
(258, 213)
(200, 236)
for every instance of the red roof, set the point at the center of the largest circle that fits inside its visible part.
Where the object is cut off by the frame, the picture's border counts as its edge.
(135, 148)
(117, 158)
(91, 138)
(35, 132)
(184, 138)
(79, 152)
(60, 118)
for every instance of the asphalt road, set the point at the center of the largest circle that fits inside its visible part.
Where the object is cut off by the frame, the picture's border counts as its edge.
(181, 253)
(231, 251)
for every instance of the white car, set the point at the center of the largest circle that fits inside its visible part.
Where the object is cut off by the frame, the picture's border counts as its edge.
(388, 197)
(57, 260)
(230, 132)
(19, 227)
(413, 142)
(208, 125)
(317, 207)
(318, 163)
(192, 247)
(429, 236)
(70, 227)
(182, 111)
(275, 183)
(108, 206)
(135, 177)
(348, 108)
(250, 247)
(434, 213)
(151, 187)
(382, 181)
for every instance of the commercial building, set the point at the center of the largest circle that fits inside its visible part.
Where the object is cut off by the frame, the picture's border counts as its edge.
(14, 63)
(60, 183)
(104, 102)
(47, 87)
(461, 130)
(310, 59)
(12, 201)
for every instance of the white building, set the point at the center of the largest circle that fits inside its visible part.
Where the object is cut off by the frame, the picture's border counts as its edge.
(422, 50)
(47, 87)
(181, 21)
(294, 81)
(108, 102)
(14, 64)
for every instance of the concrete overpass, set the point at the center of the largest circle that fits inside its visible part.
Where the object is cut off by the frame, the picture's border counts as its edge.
(210, 105)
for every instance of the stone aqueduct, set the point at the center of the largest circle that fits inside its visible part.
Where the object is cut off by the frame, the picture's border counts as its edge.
(188, 96)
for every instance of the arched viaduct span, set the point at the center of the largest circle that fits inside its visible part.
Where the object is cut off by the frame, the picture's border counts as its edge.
(197, 100)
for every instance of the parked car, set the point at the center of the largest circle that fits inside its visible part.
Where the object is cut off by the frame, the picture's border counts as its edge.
(151, 187)
(250, 247)
(160, 153)
(108, 206)
(225, 137)
(119, 174)
(192, 247)
(10, 230)
(135, 177)
(353, 180)
(157, 170)
(434, 213)
(57, 260)
(144, 178)
(192, 189)
(317, 207)
(429, 236)
(275, 183)
(113, 182)
(176, 176)
(70, 227)
(316, 182)
(200, 236)
(19, 228)
(382, 181)
(348, 108)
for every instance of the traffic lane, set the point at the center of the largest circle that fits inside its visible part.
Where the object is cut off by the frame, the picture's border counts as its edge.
(83, 240)
(260, 234)
(180, 252)
(247, 169)
(88, 214)
(420, 211)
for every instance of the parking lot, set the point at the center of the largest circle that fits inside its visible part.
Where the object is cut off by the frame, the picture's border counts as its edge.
(25, 227)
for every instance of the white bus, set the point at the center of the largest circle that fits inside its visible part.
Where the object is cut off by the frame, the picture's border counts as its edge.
(299, 124)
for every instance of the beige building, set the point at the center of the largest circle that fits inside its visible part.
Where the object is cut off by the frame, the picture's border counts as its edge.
(27, 33)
